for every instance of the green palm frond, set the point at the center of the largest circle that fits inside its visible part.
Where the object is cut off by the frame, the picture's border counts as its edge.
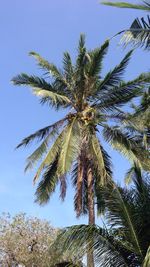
(81, 55)
(68, 67)
(51, 68)
(54, 99)
(145, 6)
(117, 96)
(42, 133)
(126, 241)
(86, 238)
(48, 183)
(114, 77)
(43, 89)
(33, 81)
(70, 147)
(51, 155)
(138, 35)
(129, 176)
(97, 56)
(133, 172)
(37, 154)
(125, 143)
(139, 32)
(120, 208)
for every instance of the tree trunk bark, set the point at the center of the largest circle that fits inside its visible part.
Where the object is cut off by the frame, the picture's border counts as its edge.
(91, 212)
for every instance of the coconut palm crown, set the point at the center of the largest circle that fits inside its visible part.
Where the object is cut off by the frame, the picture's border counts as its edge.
(73, 145)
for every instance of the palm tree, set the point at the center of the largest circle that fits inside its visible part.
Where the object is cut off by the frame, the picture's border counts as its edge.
(125, 239)
(139, 32)
(72, 145)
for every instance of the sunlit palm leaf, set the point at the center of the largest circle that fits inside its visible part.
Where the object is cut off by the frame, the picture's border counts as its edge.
(70, 147)
(52, 98)
(144, 6)
(43, 89)
(51, 155)
(126, 144)
(42, 133)
(138, 34)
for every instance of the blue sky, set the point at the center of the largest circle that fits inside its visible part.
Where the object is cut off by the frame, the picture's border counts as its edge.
(48, 27)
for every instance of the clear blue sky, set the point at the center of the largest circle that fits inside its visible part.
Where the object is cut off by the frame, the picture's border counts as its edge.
(48, 27)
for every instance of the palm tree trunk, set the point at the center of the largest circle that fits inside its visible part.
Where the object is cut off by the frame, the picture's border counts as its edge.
(91, 211)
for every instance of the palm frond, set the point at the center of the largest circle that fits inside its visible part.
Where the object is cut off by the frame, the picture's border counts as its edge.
(146, 262)
(48, 183)
(37, 154)
(51, 155)
(50, 67)
(138, 35)
(70, 147)
(129, 176)
(127, 145)
(145, 6)
(97, 56)
(52, 98)
(33, 81)
(114, 77)
(133, 172)
(42, 133)
(120, 206)
(117, 96)
(86, 238)
(68, 67)
(42, 88)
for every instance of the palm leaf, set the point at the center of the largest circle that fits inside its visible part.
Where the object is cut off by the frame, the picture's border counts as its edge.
(43, 89)
(147, 259)
(86, 238)
(68, 67)
(51, 155)
(120, 213)
(145, 6)
(51, 68)
(97, 56)
(42, 133)
(48, 183)
(129, 176)
(114, 77)
(52, 98)
(125, 143)
(138, 34)
(70, 147)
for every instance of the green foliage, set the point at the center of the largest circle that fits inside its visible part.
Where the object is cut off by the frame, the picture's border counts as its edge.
(92, 104)
(124, 240)
(145, 6)
(139, 32)
(27, 241)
